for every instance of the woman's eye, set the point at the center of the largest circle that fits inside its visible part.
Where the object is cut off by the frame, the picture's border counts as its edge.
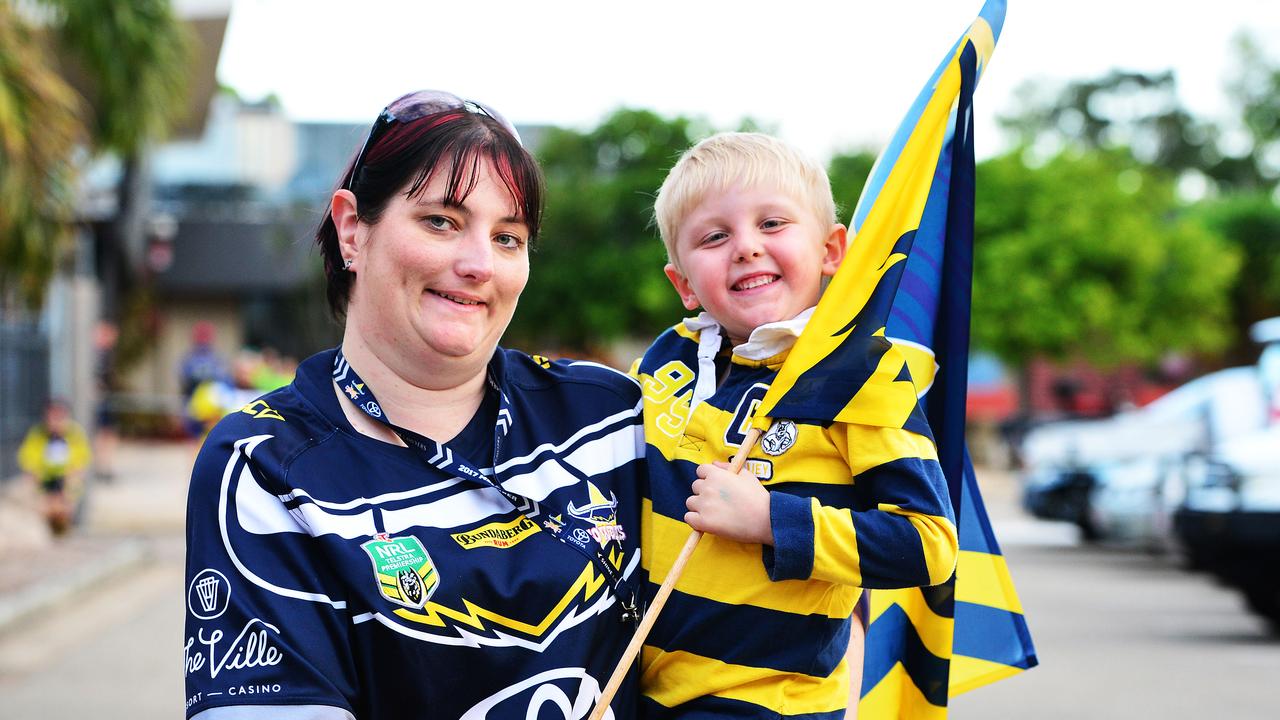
(507, 240)
(438, 222)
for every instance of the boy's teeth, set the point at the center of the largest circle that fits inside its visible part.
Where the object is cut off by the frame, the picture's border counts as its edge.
(754, 282)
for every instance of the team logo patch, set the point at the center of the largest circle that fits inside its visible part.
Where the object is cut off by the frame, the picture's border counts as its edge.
(406, 575)
(208, 594)
(497, 535)
(602, 513)
(780, 438)
(354, 390)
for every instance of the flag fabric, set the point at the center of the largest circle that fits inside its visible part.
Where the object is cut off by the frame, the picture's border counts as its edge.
(888, 345)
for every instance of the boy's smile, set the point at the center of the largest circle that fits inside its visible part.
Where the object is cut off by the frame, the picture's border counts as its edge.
(753, 256)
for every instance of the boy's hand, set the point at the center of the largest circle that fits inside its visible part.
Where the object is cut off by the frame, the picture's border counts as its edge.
(730, 506)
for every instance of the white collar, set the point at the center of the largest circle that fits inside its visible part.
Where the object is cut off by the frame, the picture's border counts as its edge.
(764, 342)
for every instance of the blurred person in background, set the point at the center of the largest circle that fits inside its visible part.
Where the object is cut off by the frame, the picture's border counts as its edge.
(105, 434)
(213, 399)
(54, 457)
(201, 365)
(464, 543)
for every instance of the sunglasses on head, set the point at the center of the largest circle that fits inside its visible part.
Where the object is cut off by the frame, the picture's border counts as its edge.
(417, 105)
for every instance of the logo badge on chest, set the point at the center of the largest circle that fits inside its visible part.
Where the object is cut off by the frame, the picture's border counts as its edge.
(781, 436)
(403, 568)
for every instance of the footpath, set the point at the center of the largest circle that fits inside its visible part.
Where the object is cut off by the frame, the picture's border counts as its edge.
(126, 521)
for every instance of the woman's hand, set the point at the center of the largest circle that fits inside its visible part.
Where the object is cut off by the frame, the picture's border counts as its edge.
(731, 506)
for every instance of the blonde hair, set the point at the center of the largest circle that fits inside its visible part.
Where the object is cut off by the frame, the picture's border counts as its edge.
(748, 160)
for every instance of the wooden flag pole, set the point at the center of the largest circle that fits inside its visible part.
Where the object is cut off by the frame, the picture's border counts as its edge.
(660, 599)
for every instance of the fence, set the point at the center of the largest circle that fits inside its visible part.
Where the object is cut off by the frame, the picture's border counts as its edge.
(24, 386)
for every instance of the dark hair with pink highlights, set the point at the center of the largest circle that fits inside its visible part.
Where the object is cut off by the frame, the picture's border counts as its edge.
(404, 159)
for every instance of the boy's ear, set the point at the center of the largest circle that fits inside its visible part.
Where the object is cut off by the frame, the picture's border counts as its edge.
(683, 288)
(836, 243)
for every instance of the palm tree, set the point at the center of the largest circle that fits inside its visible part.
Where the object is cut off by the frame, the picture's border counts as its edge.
(134, 57)
(39, 133)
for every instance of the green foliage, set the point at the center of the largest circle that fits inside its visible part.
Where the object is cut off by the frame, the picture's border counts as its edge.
(136, 57)
(597, 269)
(848, 173)
(1089, 256)
(1252, 224)
(38, 134)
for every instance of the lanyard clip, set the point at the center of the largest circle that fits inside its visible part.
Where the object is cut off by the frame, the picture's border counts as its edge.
(632, 612)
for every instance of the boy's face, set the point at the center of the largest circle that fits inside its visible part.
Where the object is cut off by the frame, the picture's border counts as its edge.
(753, 256)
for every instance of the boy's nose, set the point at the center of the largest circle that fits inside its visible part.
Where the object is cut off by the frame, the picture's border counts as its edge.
(747, 247)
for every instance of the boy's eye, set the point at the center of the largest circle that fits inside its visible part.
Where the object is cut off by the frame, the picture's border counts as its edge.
(713, 237)
(772, 224)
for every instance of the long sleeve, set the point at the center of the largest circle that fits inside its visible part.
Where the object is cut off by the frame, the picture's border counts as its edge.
(897, 528)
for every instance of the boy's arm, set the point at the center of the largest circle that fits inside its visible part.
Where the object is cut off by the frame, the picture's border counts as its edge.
(900, 533)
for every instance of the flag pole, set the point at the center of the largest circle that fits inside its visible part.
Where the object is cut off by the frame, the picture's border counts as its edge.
(664, 591)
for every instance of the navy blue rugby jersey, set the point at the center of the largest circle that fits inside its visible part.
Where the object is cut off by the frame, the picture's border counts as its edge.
(328, 568)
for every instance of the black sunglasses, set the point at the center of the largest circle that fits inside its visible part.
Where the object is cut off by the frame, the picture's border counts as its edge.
(420, 104)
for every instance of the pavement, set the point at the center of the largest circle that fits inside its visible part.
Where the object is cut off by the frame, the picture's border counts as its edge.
(128, 521)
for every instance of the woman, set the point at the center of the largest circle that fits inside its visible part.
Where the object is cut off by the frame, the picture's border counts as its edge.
(422, 524)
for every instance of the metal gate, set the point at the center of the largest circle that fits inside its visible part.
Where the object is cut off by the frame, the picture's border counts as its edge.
(24, 386)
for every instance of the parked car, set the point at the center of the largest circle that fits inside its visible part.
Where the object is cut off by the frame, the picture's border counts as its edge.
(1112, 476)
(1229, 521)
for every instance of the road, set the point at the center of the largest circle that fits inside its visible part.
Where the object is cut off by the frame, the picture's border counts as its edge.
(1119, 634)
(113, 654)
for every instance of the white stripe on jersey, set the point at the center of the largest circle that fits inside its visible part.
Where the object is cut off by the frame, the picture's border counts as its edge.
(248, 444)
(375, 500)
(261, 513)
(632, 414)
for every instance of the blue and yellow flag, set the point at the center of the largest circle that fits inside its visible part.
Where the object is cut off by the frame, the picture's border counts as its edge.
(888, 345)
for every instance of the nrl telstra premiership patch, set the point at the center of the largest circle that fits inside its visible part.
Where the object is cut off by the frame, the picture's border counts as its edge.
(406, 575)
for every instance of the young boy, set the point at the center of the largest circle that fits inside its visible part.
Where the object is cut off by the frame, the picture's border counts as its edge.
(758, 624)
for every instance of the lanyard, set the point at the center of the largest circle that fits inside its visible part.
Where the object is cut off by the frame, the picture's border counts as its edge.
(571, 530)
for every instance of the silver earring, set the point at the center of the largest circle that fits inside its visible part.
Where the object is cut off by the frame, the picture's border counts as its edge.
(346, 264)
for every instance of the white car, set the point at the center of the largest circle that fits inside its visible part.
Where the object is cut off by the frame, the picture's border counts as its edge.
(1112, 476)
(1229, 522)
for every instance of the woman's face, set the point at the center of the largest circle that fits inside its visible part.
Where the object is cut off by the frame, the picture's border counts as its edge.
(437, 280)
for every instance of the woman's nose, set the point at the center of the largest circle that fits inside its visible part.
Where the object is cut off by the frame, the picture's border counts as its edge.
(475, 257)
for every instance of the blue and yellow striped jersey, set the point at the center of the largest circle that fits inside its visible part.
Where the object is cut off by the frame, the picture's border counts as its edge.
(754, 631)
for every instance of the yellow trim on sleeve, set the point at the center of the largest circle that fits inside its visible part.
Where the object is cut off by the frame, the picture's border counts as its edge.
(733, 572)
(867, 447)
(835, 545)
(675, 678)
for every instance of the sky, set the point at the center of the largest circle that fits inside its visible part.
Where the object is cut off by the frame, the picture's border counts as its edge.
(827, 76)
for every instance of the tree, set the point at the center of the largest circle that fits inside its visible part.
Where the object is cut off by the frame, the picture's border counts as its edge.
(598, 267)
(38, 137)
(1250, 222)
(1090, 256)
(848, 173)
(134, 56)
